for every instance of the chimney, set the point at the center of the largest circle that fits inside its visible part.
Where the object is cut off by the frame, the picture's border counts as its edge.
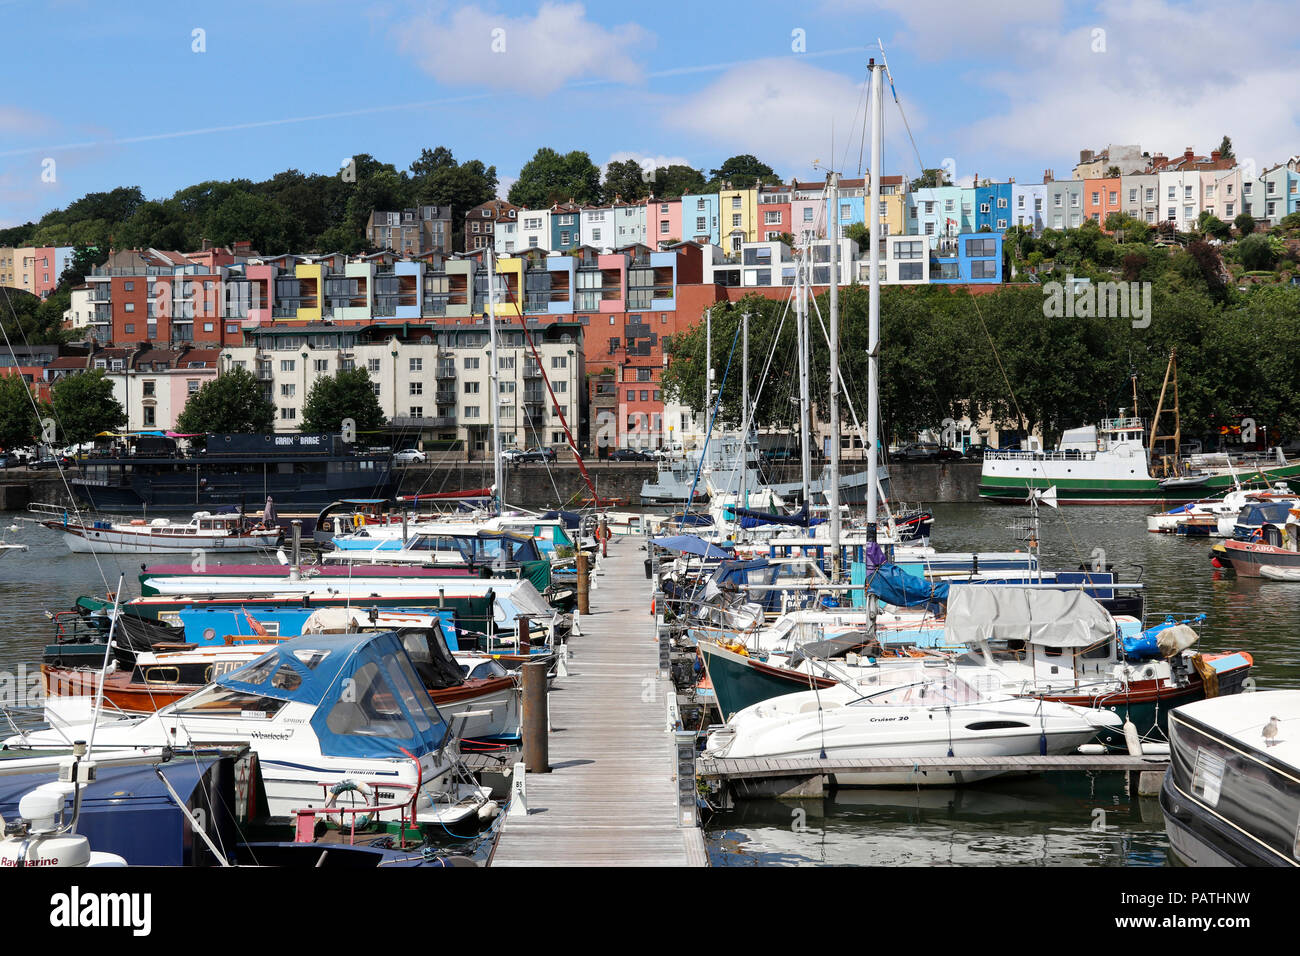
(1214, 155)
(1047, 176)
(1188, 154)
(1085, 155)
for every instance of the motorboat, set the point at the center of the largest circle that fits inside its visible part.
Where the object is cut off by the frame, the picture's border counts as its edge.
(936, 717)
(1230, 796)
(224, 533)
(326, 714)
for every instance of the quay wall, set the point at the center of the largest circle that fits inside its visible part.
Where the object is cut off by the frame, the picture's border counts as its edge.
(536, 485)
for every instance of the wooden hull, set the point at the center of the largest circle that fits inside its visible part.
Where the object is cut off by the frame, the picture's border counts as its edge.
(1247, 557)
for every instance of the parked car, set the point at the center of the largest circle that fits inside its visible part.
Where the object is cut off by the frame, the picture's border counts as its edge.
(511, 454)
(61, 462)
(537, 454)
(949, 454)
(918, 451)
(410, 456)
(630, 454)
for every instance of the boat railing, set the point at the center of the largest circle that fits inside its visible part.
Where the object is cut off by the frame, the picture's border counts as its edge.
(305, 817)
(1070, 455)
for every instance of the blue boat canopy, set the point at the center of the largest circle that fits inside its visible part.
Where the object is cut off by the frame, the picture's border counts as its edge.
(690, 544)
(895, 586)
(369, 700)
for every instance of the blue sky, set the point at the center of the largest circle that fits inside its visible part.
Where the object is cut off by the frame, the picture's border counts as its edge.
(117, 95)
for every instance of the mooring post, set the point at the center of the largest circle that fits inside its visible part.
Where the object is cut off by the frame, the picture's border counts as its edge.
(604, 537)
(583, 597)
(536, 742)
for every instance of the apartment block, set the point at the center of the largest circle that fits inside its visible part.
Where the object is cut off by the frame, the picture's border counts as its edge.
(411, 232)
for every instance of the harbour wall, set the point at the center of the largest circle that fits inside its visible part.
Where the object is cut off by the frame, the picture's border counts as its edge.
(536, 485)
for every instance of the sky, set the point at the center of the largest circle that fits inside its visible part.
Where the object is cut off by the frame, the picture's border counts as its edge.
(165, 95)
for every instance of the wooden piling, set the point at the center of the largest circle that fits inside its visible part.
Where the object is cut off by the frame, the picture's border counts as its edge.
(536, 739)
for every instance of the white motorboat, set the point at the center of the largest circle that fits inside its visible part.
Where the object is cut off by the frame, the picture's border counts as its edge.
(931, 718)
(203, 532)
(1229, 797)
(327, 715)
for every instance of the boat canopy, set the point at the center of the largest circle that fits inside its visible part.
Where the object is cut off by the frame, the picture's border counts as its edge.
(690, 544)
(1046, 617)
(368, 697)
(749, 518)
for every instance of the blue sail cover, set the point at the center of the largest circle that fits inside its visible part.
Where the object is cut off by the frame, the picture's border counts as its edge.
(895, 586)
(749, 518)
(369, 701)
(690, 544)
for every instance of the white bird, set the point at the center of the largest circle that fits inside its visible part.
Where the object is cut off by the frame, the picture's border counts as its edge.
(1270, 732)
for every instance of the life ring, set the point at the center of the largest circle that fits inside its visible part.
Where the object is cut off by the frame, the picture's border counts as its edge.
(361, 821)
(603, 532)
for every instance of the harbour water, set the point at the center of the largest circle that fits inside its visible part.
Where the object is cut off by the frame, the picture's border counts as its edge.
(1051, 820)
(1056, 819)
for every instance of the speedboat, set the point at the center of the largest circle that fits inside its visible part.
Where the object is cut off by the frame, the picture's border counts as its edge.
(327, 715)
(938, 717)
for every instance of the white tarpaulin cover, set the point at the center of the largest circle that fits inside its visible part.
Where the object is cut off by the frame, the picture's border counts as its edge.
(978, 612)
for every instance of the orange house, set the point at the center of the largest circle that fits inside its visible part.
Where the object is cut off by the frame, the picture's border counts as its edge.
(1101, 197)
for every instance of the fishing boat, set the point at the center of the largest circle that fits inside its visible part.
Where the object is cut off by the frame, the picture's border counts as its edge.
(323, 712)
(225, 533)
(1230, 797)
(938, 717)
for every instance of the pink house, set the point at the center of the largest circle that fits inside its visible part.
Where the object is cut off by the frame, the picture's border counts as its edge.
(613, 281)
(663, 221)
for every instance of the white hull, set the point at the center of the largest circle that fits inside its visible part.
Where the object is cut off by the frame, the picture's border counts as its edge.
(95, 541)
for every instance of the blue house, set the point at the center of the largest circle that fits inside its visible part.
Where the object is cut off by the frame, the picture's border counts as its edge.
(967, 258)
(993, 206)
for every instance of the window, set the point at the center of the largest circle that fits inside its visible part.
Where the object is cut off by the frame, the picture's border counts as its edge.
(471, 388)
(1020, 201)
(1151, 194)
(1132, 195)
(1002, 203)
(323, 365)
(471, 362)
(472, 411)
(286, 365)
(1058, 200)
(287, 390)
(595, 235)
(984, 208)
(1096, 199)
(149, 415)
(191, 386)
(128, 286)
(373, 364)
(417, 411)
(416, 365)
(416, 388)
(981, 247)
(128, 307)
(288, 414)
(559, 361)
(735, 202)
(984, 269)
(374, 387)
(910, 271)
(232, 329)
(772, 218)
(149, 389)
(130, 328)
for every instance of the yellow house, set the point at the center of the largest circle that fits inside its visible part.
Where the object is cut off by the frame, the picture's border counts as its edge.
(509, 271)
(311, 285)
(737, 217)
(893, 201)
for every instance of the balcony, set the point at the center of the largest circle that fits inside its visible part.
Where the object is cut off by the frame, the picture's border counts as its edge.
(445, 397)
(446, 370)
(439, 421)
(532, 370)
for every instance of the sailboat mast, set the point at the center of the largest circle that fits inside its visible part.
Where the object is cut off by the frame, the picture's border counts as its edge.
(873, 272)
(744, 412)
(805, 450)
(495, 399)
(833, 493)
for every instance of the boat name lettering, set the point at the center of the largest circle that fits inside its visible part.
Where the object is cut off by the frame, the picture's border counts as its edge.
(264, 735)
(885, 720)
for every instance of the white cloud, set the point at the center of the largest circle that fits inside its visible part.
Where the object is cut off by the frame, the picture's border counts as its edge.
(535, 55)
(503, 185)
(644, 160)
(937, 29)
(1163, 75)
(785, 111)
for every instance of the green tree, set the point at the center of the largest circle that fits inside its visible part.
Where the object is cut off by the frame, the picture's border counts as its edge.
(550, 177)
(1255, 253)
(439, 180)
(673, 182)
(231, 402)
(929, 179)
(1245, 223)
(1225, 148)
(19, 423)
(624, 179)
(84, 406)
(742, 172)
(337, 397)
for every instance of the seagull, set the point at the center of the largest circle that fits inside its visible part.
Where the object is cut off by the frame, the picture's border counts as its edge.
(1270, 732)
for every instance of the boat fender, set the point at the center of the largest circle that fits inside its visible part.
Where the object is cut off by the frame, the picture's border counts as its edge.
(352, 786)
(1132, 740)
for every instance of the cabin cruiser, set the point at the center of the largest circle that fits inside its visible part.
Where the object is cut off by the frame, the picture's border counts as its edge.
(325, 713)
(937, 717)
(1230, 797)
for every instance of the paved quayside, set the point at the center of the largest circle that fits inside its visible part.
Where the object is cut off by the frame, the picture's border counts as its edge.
(610, 798)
